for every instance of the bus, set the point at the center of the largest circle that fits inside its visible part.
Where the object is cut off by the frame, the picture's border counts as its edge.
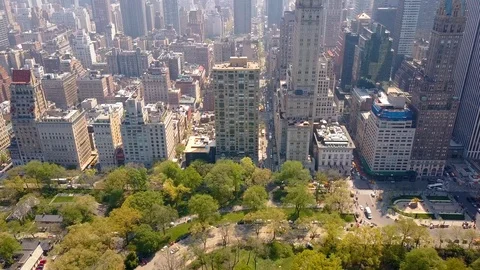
(437, 185)
(368, 212)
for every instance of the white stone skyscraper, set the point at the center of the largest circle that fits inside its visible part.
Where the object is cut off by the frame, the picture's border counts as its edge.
(406, 26)
(83, 49)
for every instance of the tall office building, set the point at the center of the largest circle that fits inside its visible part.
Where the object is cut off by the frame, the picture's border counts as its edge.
(333, 23)
(156, 83)
(236, 85)
(426, 16)
(350, 41)
(134, 18)
(303, 89)
(467, 83)
(242, 17)
(286, 39)
(274, 12)
(64, 138)
(28, 106)
(107, 135)
(171, 14)
(4, 43)
(102, 14)
(406, 26)
(362, 6)
(96, 86)
(433, 93)
(61, 89)
(148, 132)
(373, 54)
(386, 133)
(84, 49)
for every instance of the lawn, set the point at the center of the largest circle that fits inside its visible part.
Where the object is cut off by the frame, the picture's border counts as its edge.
(233, 217)
(438, 198)
(63, 199)
(177, 231)
(284, 263)
(452, 216)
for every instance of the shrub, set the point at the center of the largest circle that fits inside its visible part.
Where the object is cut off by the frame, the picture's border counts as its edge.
(280, 250)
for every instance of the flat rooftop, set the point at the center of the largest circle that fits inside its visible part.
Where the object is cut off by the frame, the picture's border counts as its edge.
(199, 144)
(333, 136)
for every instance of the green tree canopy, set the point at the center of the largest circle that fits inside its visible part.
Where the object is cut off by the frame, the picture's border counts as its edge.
(143, 201)
(8, 246)
(82, 209)
(147, 241)
(204, 206)
(312, 260)
(292, 173)
(299, 197)
(169, 168)
(423, 259)
(224, 181)
(255, 197)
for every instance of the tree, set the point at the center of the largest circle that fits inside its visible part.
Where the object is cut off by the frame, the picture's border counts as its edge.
(204, 206)
(137, 178)
(146, 241)
(190, 178)
(81, 210)
(143, 201)
(423, 259)
(179, 149)
(292, 173)
(338, 198)
(475, 265)
(110, 260)
(201, 167)
(43, 171)
(8, 247)
(455, 264)
(116, 179)
(174, 193)
(169, 168)
(255, 197)
(361, 248)
(131, 261)
(248, 168)
(311, 260)
(225, 180)
(160, 216)
(260, 177)
(410, 233)
(276, 219)
(124, 219)
(300, 197)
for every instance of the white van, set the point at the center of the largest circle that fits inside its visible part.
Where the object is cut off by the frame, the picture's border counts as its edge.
(437, 185)
(368, 212)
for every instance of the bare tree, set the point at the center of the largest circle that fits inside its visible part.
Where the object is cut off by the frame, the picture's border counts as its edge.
(225, 233)
(172, 262)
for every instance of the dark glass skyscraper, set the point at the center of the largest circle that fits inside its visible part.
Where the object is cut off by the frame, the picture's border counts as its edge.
(134, 17)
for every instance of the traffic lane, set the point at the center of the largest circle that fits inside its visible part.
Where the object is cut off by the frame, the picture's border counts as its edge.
(379, 215)
(461, 198)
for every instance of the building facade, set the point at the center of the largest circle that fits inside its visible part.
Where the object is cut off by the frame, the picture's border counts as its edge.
(102, 14)
(28, 106)
(467, 80)
(236, 87)
(61, 89)
(107, 134)
(242, 17)
(406, 26)
(134, 17)
(156, 84)
(433, 94)
(64, 138)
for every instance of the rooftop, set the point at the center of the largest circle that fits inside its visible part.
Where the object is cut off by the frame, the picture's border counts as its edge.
(20, 76)
(238, 63)
(332, 135)
(199, 144)
(49, 218)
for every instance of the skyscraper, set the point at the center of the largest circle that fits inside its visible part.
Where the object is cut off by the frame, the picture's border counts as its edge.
(171, 14)
(28, 106)
(286, 36)
(3, 31)
(134, 18)
(433, 92)
(405, 26)
(83, 49)
(236, 85)
(274, 12)
(242, 17)
(102, 14)
(333, 23)
(426, 15)
(467, 83)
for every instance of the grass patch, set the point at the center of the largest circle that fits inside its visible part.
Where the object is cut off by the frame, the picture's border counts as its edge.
(233, 217)
(177, 231)
(63, 199)
(406, 197)
(452, 216)
(438, 198)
